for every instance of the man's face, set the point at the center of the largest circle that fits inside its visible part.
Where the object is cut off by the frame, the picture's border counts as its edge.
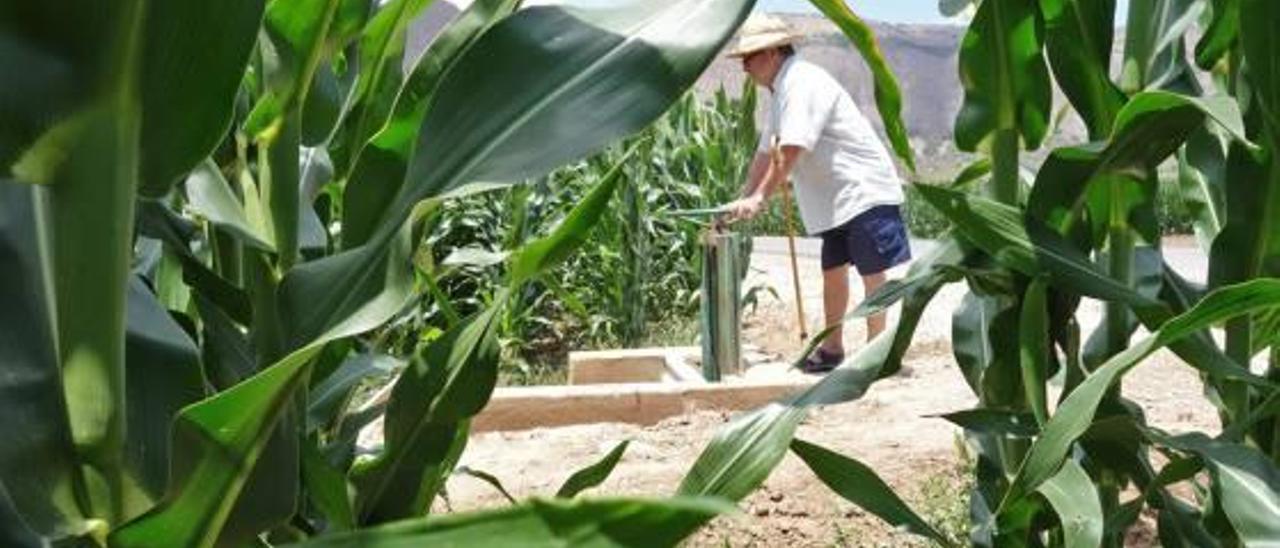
(760, 66)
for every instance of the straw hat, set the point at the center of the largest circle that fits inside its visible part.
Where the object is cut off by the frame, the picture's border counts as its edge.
(761, 31)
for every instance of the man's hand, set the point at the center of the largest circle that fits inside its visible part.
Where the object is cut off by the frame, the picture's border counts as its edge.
(745, 208)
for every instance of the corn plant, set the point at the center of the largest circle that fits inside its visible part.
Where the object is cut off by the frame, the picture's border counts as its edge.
(207, 206)
(1080, 471)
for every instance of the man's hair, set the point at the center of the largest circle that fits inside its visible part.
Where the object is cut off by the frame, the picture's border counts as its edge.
(787, 50)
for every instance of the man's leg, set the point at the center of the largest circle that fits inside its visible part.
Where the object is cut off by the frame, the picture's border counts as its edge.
(835, 301)
(875, 322)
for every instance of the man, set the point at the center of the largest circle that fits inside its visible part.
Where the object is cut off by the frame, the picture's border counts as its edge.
(846, 187)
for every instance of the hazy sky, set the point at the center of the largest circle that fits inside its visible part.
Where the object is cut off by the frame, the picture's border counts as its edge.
(896, 11)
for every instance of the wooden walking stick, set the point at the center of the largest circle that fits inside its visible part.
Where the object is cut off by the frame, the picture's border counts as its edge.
(775, 161)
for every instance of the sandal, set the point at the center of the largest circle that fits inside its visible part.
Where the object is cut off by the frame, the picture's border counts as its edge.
(821, 361)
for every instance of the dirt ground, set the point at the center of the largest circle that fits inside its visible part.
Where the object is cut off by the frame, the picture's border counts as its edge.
(891, 429)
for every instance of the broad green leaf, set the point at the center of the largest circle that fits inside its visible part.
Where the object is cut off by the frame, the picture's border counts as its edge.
(91, 223)
(1242, 249)
(1154, 54)
(1258, 20)
(53, 62)
(218, 441)
(634, 523)
(155, 220)
(860, 485)
(328, 489)
(985, 420)
(324, 105)
(279, 177)
(333, 393)
(1221, 35)
(1150, 127)
(488, 478)
(999, 230)
(1202, 167)
(511, 109)
(1079, 35)
(211, 196)
(1073, 496)
(1006, 83)
(1262, 49)
(743, 453)
(446, 383)
(163, 375)
(194, 58)
(227, 354)
(216, 444)
(1247, 483)
(13, 531)
(38, 465)
(1075, 414)
(374, 97)
(295, 44)
(377, 173)
(381, 283)
(1035, 347)
(971, 323)
(888, 94)
(593, 475)
(539, 256)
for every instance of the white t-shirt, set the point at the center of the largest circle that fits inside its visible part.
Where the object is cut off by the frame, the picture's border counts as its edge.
(845, 169)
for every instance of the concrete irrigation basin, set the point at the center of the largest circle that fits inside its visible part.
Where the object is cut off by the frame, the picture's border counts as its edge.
(637, 386)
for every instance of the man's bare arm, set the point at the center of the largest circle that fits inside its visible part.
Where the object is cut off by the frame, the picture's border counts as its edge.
(775, 175)
(759, 168)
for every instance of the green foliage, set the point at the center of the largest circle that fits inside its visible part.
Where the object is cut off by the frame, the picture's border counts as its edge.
(1049, 474)
(189, 321)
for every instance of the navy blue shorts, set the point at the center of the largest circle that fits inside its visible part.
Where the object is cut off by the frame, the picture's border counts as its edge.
(873, 241)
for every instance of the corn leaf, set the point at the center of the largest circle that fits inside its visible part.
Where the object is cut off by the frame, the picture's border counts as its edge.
(860, 485)
(1078, 43)
(1154, 54)
(377, 172)
(162, 371)
(38, 465)
(632, 523)
(13, 531)
(1150, 127)
(328, 489)
(375, 94)
(593, 475)
(999, 230)
(192, 66)
(1006, 83)
(211, 197)
(539, 256)
(1075, 499)
(218, 441)
(1074, 416)
(328, 397)
(744, 452)
(1246, 481)
(1035, 348)
(985, 420)
(447, 383)
(479, 131)
(1222, 34)
(1202, 182)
